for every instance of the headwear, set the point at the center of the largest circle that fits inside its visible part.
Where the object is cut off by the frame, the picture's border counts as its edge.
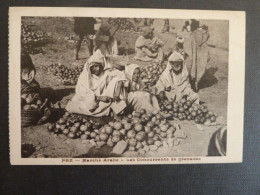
(87, 78)
(105, 27)
(129, 71)
(175, 57)
(147, 30)
(26, 61)
(180, 39)
(170, 78)
(97, 57)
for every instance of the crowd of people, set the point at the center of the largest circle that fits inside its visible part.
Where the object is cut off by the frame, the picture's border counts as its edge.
(103, 90)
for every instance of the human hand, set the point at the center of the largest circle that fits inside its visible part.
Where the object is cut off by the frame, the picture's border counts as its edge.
(105, 99)
(168, 88)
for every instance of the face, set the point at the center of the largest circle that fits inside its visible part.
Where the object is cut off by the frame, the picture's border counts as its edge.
(96, 69)
(177, 66)
(136, 75)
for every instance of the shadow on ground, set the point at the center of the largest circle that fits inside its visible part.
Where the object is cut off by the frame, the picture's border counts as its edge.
(208, 79)
(55, 95)
(103, 152)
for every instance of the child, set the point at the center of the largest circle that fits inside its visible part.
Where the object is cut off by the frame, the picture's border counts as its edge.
(139, 96)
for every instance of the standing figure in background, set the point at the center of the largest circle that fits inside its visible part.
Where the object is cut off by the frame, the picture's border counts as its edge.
(148, 47)
(166, 27)
(84, 26)
(198, 53)
(105, 40)
(186, 27)
(148, 22)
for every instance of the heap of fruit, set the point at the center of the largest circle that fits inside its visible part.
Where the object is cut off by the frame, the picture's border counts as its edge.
(140, 131)
(31, 101)
(31, 38)
(185, 109)
(123, 23)
(64, 74)
(152, 72)
(74, 126)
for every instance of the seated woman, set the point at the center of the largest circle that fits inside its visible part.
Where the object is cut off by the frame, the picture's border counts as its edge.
(28, 71)
(138, 95)
(30, 86)
(148, 48)
(105, 41)
(175, 80)
(99, 89)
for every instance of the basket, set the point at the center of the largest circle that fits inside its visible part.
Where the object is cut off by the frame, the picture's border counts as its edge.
(30, 117)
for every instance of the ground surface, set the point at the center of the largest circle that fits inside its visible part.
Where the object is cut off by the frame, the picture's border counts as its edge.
(213, 93)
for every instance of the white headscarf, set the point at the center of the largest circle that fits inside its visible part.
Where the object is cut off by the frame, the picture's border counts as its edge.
(169, 77)
(129, 71)
(87, 78)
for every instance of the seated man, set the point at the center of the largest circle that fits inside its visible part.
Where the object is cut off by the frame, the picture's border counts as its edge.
(99, 90)
(175, 80)
(105, 41)
(148, 48)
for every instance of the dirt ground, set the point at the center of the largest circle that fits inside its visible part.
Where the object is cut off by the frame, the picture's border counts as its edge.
(41, 143)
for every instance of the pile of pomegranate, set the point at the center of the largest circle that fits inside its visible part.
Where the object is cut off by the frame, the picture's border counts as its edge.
(64, 74)
(185, 109)
(31, 38)
(140, 131)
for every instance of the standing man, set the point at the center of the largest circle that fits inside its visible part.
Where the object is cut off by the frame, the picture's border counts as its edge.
(84, 26)
(166, 27)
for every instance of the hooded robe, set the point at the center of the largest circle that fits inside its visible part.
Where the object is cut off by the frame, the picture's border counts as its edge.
(89, 86)
(178, 83)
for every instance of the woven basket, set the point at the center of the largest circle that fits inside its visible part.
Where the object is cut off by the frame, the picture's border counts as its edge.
(30, 117)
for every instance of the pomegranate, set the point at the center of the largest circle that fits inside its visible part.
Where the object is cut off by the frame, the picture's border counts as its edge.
(163, 134)
(140, 136)
(115, 139)
(150, 134)
(103, 137)
(142, 111)
(27, 107)
(138, 145)
(132, 142)
(136, 120)
(128, 126)
(93, 135)
(150, 141)
(156, 137)
(131, 134)
(108, 129)
(116, 133)
(71, 135)
(65, 131)
(138, 127)
(118, 125)
(84, 136)
(147, 129)
(83, 128)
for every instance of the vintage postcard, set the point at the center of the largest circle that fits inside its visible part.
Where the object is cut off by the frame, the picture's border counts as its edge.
(110, 86)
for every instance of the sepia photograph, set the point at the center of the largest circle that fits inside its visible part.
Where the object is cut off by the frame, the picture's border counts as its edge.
(101, 87)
